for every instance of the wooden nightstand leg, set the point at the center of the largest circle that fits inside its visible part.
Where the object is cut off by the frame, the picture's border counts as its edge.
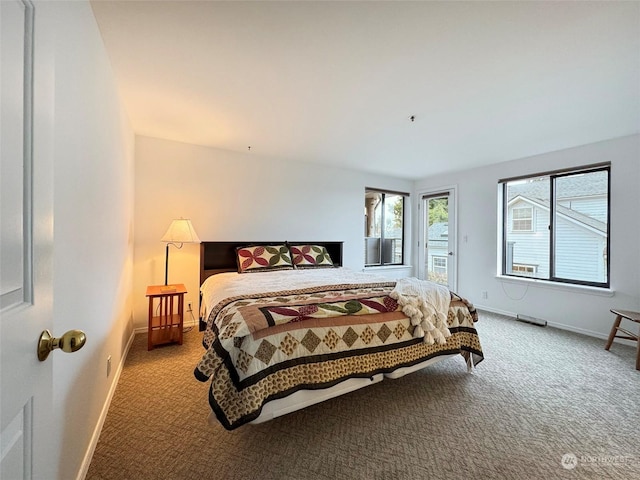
(150, 331)
(614, 329)
(181, 312)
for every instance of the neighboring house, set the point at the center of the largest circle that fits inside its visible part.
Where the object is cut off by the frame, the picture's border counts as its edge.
(581, 228)
(437, 252)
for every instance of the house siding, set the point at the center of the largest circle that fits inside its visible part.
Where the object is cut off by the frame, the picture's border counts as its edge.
(594, 207)
(531, 248)
(436, 248)
(577, 249)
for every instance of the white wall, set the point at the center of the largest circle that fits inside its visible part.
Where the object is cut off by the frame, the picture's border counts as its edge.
(566, 307)
(93, 228)
(238, 197)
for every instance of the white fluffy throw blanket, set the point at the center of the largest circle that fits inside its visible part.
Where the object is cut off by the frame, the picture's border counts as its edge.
(426, 304)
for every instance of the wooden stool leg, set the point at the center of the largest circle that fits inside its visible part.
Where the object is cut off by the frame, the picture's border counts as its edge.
(638, 355)
(614, 329)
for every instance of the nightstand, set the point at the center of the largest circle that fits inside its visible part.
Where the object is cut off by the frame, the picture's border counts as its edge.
(166, 314)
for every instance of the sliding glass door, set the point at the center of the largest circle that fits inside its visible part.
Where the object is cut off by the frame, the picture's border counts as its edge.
(437, 243)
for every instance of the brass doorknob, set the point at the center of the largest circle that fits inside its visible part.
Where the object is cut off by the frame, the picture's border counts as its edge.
(72, 341)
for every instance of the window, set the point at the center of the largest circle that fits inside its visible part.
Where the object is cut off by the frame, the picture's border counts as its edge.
(528, 270)
(440, 265)
(522, 220)
(556, 226)
(384, 227)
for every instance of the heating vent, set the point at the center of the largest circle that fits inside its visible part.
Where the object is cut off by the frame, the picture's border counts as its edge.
(531, 320)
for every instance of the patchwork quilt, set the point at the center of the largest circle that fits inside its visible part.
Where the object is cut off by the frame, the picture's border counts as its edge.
(263, 346)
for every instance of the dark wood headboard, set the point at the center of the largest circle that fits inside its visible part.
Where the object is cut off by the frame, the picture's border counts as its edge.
(218, 257)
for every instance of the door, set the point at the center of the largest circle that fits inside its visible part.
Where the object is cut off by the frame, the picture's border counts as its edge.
(437, 245)
(25, 245)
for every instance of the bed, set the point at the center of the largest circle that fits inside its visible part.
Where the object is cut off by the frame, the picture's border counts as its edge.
(285, 326)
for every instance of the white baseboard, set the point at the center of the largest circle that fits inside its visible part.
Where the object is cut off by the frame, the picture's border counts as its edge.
(86, 462)
(495, 310)
(591, 333)
(583, 331)
(562, 326)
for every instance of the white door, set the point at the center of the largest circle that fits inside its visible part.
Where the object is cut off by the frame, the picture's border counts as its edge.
(437, 245)
(26, 225)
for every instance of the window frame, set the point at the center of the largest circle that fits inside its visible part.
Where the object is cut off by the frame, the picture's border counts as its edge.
(552, 176)
(404, 197)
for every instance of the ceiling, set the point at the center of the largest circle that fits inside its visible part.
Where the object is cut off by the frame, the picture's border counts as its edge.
(337, 83)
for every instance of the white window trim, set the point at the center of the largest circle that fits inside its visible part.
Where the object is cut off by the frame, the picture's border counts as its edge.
(553, 284)
(570, 287)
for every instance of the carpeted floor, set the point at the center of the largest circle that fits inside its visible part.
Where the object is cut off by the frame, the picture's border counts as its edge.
(542, 397)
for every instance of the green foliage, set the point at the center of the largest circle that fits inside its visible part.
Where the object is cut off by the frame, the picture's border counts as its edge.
(438, 210)
(397, 212)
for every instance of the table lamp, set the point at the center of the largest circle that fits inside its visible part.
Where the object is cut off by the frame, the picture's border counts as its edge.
(180, 232)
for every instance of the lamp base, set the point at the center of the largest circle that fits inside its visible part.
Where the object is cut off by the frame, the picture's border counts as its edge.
(168, 288)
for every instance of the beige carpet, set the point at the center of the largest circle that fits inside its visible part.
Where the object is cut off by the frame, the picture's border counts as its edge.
(539, 395)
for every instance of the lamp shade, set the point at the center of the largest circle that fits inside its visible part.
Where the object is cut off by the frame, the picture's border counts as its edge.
(180, 231)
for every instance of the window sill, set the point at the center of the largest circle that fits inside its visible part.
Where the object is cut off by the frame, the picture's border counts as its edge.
(534, 282)
(387, 267)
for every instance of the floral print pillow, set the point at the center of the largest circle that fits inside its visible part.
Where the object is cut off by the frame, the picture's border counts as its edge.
(261, 258)
(310, 256)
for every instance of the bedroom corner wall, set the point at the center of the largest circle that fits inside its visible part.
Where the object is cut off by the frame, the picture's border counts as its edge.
(237, 197)
(564, 307)
(93, 229)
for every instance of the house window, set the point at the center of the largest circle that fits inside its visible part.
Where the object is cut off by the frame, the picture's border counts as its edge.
(522, 220)
(439, 264)
(569, 240)
(384, 227)
(527, 270)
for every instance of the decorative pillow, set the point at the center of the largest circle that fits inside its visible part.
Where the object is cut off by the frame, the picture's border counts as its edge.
(263, 257)
(310, 256)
